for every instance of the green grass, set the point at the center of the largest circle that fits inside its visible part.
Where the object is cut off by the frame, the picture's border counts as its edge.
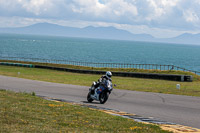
(135, 84)
(22, 112)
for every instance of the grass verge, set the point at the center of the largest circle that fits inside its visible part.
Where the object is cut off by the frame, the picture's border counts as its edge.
(22, 112)
(135, 84)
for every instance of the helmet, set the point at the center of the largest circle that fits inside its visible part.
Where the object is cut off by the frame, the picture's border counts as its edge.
(108, 74)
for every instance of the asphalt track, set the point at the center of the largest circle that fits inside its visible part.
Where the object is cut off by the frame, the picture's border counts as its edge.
(184, 110)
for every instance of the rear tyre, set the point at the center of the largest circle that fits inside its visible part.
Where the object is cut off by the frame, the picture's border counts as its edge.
(103, 97)
(89, 97)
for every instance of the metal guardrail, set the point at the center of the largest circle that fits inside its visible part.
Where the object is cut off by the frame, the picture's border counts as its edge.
(182, 78)
(16, 64)
(103, 65)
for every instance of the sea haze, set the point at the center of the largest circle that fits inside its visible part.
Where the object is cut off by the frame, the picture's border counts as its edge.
(99, 50)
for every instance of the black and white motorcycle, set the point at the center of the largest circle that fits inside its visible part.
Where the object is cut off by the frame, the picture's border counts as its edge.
(101, 93)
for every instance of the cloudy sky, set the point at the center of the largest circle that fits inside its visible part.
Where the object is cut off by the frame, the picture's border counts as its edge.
(160, 18)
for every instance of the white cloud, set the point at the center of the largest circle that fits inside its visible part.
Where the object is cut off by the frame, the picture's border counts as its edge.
(91, 7)
(137, 15)
(121, 7)
(191, 16)
(35, 6)
(159, 8)
(110, 9)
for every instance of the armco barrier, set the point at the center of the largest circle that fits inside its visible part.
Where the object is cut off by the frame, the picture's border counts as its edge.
(16, 64)
(186, 78)
(103, 65)
(182, 78)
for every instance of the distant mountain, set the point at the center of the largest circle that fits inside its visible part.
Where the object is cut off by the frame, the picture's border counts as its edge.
(42, 29)
(97, 32)
(187, 38)
(87, 32)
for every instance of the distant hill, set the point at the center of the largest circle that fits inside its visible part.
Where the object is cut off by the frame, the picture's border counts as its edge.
(87, 32)
(186, 38)
(97, 32)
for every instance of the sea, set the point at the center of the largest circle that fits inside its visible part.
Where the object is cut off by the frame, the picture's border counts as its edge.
(100, 50)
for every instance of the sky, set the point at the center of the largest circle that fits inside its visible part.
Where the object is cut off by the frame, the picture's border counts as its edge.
(160, 18)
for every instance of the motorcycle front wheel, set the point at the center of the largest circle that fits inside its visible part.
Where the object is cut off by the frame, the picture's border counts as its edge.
(103, 97)
(89, 99)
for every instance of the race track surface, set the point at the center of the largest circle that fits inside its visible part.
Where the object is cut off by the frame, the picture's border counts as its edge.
(184, 110)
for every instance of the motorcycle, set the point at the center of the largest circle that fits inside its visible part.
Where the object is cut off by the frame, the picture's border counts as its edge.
(101, 93)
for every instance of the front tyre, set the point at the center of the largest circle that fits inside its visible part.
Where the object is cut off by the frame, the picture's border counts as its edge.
(103, 97)
(89, 97)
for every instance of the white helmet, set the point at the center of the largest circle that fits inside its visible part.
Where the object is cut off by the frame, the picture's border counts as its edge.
(108, 74)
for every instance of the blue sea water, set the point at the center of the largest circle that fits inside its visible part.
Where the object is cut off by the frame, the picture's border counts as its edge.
(99, 50)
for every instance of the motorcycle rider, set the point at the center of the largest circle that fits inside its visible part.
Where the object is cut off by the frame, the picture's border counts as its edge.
(104, 77)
